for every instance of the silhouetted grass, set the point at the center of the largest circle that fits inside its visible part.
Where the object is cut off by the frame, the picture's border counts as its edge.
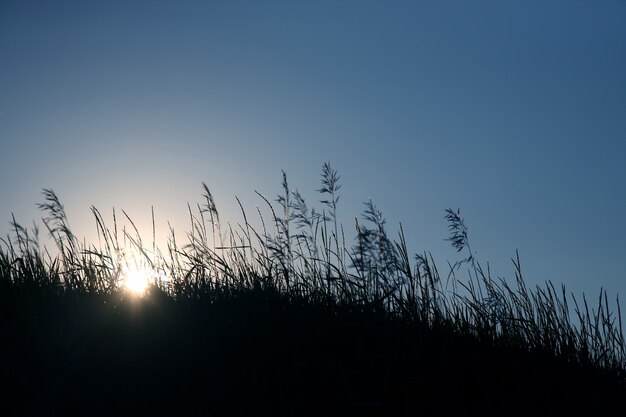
(289, 318)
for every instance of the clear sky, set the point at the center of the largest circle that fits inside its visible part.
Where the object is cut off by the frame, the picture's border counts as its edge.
(514, 111)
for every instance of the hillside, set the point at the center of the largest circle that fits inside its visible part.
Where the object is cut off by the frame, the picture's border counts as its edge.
(259, 353)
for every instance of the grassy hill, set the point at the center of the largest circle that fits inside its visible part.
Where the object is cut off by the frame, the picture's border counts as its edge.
(291, 320)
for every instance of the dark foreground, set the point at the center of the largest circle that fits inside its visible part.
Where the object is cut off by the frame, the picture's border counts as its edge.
(256, 353)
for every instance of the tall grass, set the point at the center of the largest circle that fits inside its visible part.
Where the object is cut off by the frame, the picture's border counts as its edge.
(302, 252)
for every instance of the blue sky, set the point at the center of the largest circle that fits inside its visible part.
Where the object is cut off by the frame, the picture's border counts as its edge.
(513, 111)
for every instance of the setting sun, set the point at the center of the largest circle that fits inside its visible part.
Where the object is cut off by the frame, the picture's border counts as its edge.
(136, 275)
(136, 280)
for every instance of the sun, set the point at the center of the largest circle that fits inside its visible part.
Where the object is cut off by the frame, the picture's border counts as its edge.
(136, 275)
(136, 280)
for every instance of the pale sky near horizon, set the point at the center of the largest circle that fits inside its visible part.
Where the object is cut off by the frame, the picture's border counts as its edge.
(512, 111)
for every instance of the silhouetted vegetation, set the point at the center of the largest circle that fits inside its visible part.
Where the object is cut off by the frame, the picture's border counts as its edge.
(292, 318)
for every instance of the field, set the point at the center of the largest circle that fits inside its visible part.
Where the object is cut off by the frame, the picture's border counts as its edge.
(291, 318)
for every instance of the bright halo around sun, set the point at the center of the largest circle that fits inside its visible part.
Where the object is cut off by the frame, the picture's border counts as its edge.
(136, 280)
(136, 274)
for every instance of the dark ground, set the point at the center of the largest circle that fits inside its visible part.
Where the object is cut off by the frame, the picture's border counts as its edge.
(257, 354)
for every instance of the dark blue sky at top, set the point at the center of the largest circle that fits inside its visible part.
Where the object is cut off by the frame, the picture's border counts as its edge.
(514, 111)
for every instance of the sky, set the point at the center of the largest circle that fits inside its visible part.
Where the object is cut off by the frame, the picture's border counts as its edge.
(512, 111)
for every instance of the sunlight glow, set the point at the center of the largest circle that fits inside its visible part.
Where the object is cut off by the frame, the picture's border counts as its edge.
(136, 275)
(136, 280)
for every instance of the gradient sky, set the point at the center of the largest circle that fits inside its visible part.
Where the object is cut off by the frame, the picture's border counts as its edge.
(514, 111)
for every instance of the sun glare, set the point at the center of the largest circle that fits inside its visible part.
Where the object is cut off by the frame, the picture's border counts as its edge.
(136, 280)
(135, 274)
